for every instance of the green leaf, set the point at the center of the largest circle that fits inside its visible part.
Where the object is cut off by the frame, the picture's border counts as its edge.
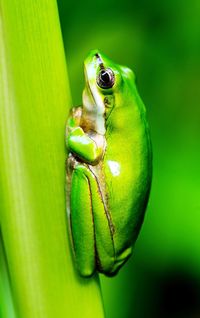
(34, 103)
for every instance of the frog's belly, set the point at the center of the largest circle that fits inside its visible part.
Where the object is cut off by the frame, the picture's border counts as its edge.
(127, 188)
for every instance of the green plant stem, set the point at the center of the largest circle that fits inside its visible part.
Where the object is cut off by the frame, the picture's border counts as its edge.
(7, 309)
(34, 103)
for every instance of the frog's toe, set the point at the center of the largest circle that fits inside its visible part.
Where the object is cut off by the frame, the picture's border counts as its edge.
(119, 262)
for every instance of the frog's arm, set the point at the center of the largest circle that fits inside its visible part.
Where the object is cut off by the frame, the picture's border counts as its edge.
(74, 119)
(89, 149)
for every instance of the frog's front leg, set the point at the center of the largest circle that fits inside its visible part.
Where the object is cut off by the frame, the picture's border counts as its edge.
(91, 229)
(88, 148)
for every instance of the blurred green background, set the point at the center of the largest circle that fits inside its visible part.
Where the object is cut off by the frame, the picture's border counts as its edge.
(160, 41)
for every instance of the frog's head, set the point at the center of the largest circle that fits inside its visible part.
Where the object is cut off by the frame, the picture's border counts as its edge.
(105, 87)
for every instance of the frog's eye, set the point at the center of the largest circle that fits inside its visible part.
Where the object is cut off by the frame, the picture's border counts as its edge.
(105, 78)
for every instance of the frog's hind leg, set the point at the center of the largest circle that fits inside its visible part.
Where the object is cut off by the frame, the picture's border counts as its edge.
(81, 219)
(120, 259)
(91, 230)
(105, 253)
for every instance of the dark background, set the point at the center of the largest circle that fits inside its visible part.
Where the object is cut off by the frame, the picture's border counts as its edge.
(160, 41)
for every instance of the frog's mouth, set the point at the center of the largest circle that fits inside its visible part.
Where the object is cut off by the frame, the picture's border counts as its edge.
(93, 103)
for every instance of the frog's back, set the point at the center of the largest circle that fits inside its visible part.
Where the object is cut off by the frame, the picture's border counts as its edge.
(127, 169)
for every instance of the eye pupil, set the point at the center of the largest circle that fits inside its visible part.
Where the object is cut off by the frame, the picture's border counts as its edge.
(105, 78)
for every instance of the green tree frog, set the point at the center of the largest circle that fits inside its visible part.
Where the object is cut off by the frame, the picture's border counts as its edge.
(109, 167)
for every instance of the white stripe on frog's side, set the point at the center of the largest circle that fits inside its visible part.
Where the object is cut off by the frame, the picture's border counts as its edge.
(114, 167)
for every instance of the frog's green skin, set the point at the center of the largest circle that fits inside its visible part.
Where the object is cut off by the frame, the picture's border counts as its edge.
(108, 169)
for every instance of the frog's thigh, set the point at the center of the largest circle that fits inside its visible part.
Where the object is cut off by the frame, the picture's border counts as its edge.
(82, 222)
(103, 236)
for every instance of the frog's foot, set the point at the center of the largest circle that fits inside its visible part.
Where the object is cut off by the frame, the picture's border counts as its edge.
(71, 163)
(119, 262)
